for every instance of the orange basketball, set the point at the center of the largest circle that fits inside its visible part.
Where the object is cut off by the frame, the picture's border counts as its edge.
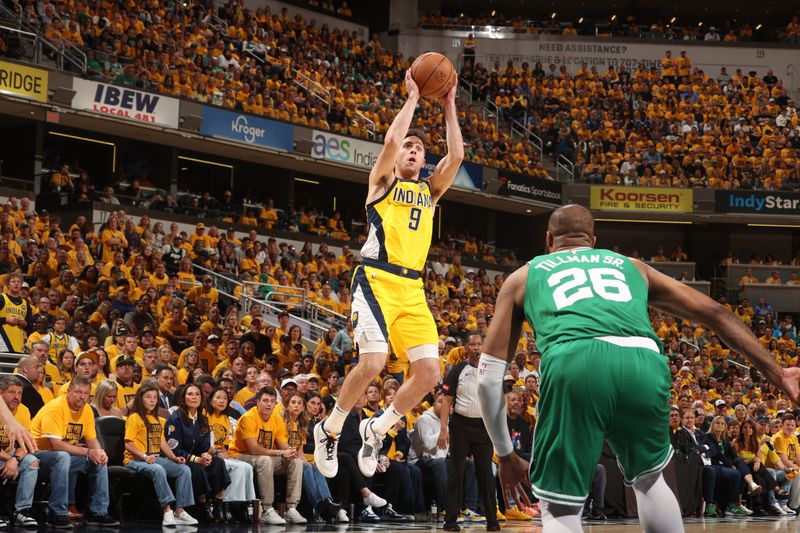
(434, 74)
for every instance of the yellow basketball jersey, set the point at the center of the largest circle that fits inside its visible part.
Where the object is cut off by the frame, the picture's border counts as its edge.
(12, 338)
(401, 225)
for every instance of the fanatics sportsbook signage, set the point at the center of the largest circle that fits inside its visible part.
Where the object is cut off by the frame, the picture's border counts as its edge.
(247, 129)
(125, 102)
(27, 82)
(530, 187)
(761, 202)
(614, 198)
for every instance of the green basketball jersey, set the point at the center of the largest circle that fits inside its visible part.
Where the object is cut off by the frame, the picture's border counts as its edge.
(585, 293)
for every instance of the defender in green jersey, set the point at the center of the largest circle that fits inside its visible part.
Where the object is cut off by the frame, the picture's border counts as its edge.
(603, 376)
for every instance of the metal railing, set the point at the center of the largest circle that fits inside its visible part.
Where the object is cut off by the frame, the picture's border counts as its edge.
(217, 23)
(226, 285)
(563, 164)
(312, 87)
(490, 109)
(10, 15)
(69, 52)
(9, 360)
(64, 53)
(520, 129)
(370, 124)
(256, 57)
(468, 88)
(290, 298)
(319, 313)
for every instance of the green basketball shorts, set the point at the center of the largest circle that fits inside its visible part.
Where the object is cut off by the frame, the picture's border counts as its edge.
(593, 391)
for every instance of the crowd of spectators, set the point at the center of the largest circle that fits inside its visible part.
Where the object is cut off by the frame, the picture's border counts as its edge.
(675, 126)
(728, 31)
(259, 62)
(74, 183)
(126, 322)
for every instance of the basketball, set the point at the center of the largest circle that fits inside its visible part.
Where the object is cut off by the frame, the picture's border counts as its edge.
(434, 74)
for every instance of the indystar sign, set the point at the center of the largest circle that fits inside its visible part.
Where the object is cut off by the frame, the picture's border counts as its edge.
(768, 202)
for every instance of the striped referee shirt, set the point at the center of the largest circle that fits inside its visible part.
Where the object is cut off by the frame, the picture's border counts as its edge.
(461, 384)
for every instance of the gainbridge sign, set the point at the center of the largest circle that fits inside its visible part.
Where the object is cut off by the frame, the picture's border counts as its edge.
(614, 198)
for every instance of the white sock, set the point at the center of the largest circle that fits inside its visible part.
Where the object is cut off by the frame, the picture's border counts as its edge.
(560, 518)
(658, 508)
(335, 421)
(384, 423)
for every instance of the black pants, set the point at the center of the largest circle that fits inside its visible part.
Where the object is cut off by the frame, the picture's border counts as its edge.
(468, 436)
(211, 479)
(347, 484)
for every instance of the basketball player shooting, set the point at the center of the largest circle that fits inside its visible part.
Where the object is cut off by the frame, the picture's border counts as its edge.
(388, 300)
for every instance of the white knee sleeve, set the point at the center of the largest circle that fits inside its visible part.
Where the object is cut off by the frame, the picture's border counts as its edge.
(560, 518)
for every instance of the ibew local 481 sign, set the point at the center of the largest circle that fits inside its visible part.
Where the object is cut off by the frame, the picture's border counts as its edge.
(125, 102)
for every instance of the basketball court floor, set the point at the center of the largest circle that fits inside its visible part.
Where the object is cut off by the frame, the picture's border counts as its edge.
(714, 525)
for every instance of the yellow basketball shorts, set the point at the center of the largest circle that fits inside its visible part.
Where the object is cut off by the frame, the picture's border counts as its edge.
(390, 307)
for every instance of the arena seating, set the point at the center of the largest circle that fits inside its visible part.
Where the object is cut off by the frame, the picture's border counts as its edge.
(258, 62)
(726, 31)
(680, 127)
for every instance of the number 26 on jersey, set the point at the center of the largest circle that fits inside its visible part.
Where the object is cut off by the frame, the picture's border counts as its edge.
(575, 284)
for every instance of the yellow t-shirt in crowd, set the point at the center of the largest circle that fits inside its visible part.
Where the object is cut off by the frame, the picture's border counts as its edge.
(267, 433)
(56, 420)
(21, 415)
(243, 395)
(125, 394)
(788, 445)
(220, 426)
(146, 436)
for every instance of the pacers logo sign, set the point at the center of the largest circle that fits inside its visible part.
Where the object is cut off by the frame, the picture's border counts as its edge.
(22, 81)
(612, 198)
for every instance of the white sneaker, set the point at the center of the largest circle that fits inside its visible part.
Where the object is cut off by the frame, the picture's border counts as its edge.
(373, 500)
(371, 444)
(341, 517)
(169, 519)
(271, 517)
(788, 509)
(778, 508)
(185, 519)
(325, 448)
(293, 516)
(745, 510)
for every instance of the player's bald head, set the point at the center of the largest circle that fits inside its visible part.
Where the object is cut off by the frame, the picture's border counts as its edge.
(571, 225)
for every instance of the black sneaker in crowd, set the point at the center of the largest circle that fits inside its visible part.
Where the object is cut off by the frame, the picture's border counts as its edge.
(492, 526)
(105, 520)
(25, 520)
(451, 526)
(60, 522)
(388, 514)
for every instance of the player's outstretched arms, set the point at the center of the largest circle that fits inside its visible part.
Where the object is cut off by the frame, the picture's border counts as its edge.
(447, 169)
(384, 166)
(499, 347)
(685, 302)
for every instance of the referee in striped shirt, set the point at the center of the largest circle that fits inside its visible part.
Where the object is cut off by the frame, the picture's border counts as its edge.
(467, 435)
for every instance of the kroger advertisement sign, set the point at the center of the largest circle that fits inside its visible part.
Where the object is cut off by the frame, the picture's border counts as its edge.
(124, 102)
(363, 154)
(248, 129)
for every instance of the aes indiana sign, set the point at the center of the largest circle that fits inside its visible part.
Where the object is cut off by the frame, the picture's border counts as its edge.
(761, 202)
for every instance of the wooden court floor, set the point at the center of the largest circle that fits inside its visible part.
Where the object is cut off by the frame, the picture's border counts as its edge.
(714, 525)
